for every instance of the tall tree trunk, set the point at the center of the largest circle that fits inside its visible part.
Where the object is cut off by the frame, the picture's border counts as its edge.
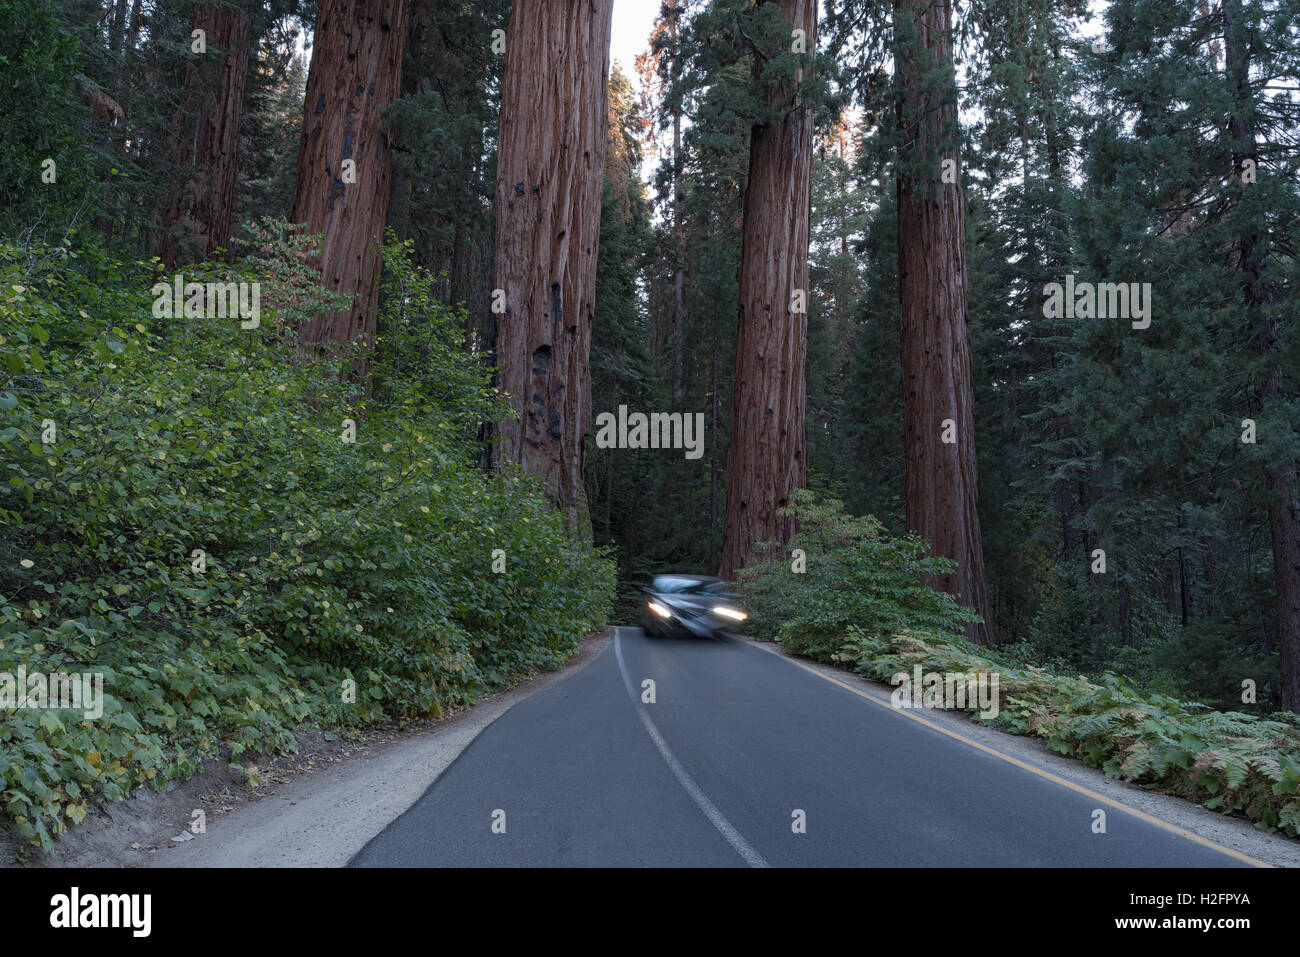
(1182, 585)
(1281, 490)
(765, 463)
(1284, 529)
(942, 485)
(122, 79)
(679, 254)
(420, 33)
(199, 211)
(553, 130)
(356, 72)
(609, 495)
(1125, 612)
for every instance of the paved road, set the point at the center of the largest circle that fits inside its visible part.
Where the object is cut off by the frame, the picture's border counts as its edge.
(711, 774)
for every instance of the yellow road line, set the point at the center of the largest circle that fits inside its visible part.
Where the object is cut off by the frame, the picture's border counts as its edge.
(1173, 828)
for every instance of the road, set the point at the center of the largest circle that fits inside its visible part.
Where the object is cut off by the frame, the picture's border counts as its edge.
(712, 773)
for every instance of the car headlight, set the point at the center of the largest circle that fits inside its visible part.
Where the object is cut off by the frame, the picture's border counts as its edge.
(660, 610)
(732, 613)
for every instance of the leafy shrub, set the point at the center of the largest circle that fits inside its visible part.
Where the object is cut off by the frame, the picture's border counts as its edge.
(856, 576)
(322, 561)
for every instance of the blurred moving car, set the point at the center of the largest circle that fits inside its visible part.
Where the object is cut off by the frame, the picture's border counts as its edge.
(690, 605)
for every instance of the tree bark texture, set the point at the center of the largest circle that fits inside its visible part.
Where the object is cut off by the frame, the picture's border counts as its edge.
(198, 212)
(938, 384)
(552, 141)
(356, 72)
(765, 462)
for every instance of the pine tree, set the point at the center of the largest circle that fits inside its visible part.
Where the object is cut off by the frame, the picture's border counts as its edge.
(1030, 460)
(619, 365)
(1191, 188)
(443, 130)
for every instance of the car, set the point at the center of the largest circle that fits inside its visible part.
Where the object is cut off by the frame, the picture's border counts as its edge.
(699, 606)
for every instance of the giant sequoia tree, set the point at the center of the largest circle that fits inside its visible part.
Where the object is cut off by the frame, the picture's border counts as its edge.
(552, 135)
(938, 381)
(198, 212)
(765, 462)
(344, 162)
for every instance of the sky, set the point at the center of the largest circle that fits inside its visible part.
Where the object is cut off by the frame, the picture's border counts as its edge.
(631, 36)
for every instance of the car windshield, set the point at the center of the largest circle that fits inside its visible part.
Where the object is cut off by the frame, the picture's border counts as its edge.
(672, 585)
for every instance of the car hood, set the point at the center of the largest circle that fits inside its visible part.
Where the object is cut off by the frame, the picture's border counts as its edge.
(696, 603)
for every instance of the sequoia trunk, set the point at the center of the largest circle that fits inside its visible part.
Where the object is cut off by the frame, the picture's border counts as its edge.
(198, 213)
(765, 462)
(344, 161)
(552, 136)
(938, 386)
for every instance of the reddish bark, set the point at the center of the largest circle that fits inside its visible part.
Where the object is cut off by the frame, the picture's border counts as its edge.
(552, 135)
(356, 71)
(938, 384)
(198, 212)
(765, 462)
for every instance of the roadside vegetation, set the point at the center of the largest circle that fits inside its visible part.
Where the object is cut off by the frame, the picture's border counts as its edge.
(860, 605)
(183, 513)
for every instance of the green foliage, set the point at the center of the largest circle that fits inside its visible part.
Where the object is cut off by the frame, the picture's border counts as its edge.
(856, 576)
(419, 359)
(1117, 164)
(322, 560)
(274, 117)
(443, 129)
(38, 66)
(867, 455)
(724, 33)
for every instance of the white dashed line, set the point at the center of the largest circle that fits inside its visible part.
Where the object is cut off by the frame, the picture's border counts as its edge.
(743, 848)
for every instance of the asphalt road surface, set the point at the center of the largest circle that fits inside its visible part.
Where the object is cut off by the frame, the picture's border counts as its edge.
(714, 771)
